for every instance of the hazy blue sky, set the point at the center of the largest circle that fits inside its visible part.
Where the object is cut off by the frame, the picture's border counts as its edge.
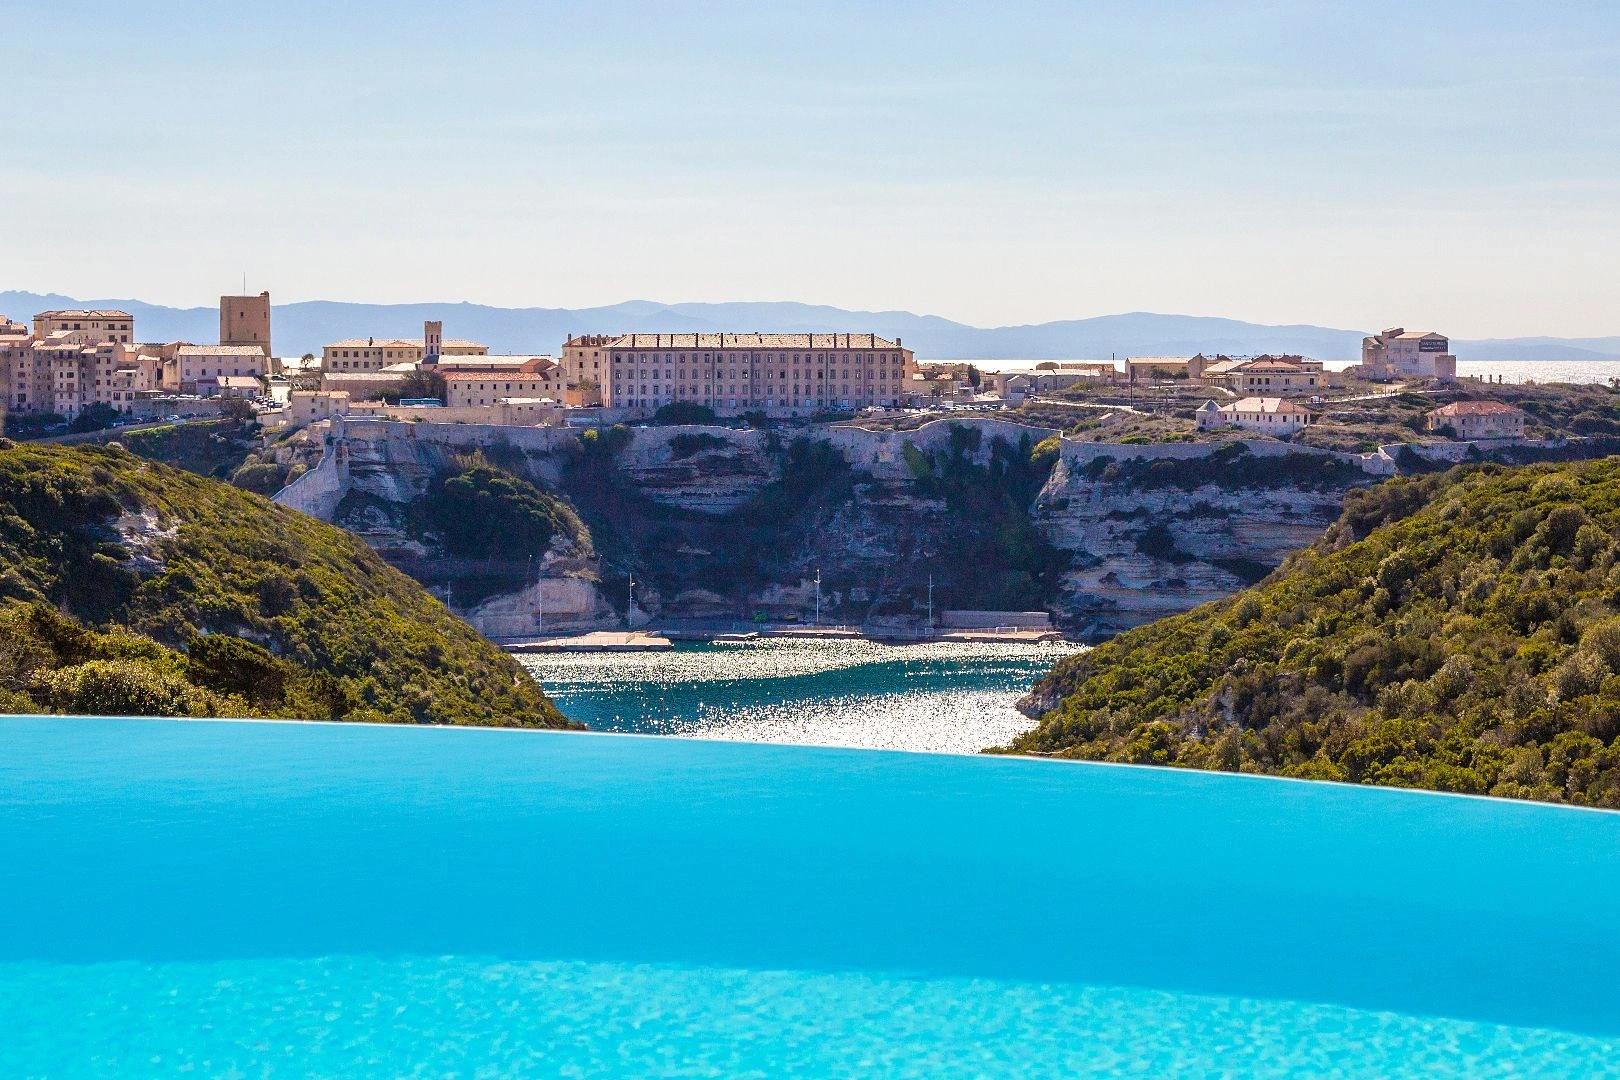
(1445, 164)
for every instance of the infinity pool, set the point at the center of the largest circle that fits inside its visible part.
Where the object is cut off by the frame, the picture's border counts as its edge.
(247, 898)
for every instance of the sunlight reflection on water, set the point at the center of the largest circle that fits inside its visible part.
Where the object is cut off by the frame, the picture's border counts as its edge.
(939, 696)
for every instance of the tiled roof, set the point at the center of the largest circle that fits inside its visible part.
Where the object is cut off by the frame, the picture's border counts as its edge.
(466, 376)
(1269, 366)
(402, 343)
(752, 341)
(1477, 408)
(219, 350)
(1264, 405)
(375, 343)
(83, 313)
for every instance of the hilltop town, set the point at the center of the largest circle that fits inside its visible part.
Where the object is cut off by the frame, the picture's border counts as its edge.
(87, 369)
(716, 480)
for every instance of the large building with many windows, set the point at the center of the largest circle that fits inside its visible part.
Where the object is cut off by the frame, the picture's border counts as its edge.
(374, 354)
(86, 326)
(72, 359)
(778, 374)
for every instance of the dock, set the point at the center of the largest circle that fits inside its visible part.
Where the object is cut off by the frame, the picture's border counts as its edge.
(595, 641)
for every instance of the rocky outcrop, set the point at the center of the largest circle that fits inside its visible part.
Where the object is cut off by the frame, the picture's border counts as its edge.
(1143, 548)
(708, 470)
(1141, 531)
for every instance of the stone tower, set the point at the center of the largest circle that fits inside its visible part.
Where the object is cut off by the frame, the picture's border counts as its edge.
(432, 341)
(245, 320)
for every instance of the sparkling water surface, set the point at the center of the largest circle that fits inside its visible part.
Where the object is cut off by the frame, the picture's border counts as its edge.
(950, 697)
(222, 898)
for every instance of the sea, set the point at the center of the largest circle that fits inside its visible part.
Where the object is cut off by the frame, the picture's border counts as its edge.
(947, 697)
(1506, 371)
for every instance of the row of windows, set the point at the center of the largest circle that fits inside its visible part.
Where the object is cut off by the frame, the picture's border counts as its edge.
(750, 403)
(808, 358)
(820, 376)
(538, 384)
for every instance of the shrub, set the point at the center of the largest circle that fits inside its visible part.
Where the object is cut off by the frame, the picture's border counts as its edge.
(124, 688)
(684, 412)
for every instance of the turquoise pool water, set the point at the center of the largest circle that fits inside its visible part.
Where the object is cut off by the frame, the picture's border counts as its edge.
(951, 697)
(320, 899)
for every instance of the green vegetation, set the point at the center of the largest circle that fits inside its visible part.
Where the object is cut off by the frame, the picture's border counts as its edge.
(95, 416)
(32, 425)
(130, 587)
(689, 444)
(1231, 468)
(479, 510)
(1459, 632)
(414, 384)
(684, 412)
(1016, 569)
(216, 448)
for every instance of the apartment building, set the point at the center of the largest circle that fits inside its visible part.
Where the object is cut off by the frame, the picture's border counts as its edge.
(70, 359)
(86, 327)
(374, 354)
(779, 374)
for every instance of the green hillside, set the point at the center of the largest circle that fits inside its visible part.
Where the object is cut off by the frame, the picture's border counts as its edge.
(1457, 632)
(132, 587)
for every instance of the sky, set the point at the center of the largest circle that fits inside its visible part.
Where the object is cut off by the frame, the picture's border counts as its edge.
(1440, 164)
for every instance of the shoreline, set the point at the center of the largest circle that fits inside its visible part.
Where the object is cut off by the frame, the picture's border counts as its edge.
(659, 640)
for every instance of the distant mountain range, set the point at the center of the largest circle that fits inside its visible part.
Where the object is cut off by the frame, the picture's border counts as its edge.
(304, 327)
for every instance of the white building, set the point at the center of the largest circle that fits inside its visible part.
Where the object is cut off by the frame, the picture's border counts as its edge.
(1269, 415)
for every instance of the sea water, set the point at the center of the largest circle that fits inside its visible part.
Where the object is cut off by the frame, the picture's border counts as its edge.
(223, 898)
(950, 697)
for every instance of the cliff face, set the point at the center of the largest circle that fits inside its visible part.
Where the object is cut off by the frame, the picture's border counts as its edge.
(1140, 552)
(724, 523)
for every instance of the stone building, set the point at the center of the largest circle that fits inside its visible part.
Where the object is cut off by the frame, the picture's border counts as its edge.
(87, 327)
(1164, 368)
(1412, 354)
(196, 363)
(1266, 375)
(245, 320)
(72, 358)
(779, 374)
(584, 357)
(374, 354)
(541, 378)
(1478, 420)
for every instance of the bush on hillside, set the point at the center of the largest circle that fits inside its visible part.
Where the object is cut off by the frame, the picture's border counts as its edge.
(1457, 632)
